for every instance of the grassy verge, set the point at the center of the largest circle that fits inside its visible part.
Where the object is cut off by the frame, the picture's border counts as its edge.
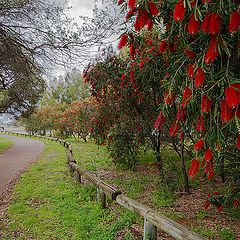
(5, 144)
(47, 204)
(163, 194)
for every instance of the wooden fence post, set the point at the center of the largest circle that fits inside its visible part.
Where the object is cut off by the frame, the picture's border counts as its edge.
(71, 169)
(101, 196)
(77, 176)
(150, 231)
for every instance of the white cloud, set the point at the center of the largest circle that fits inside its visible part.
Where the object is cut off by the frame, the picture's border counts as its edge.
(80, 8)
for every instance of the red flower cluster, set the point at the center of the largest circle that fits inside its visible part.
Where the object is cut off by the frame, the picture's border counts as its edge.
(194, 168)
(187, 95)
(169, 98)
(132, 4)
(193, 25)
(200, 76)
(212, 52)
(208, 155)
(233, 95)
(123, 41)
(211, 23)
(163, 46)
(174, 128)
(152, 7)
(142, 20)
(206, 104)
(179, 11)
(181, 114)
(199, 145)
(234, 23)
(159, 122)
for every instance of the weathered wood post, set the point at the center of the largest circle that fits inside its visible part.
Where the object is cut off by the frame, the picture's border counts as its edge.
(150, 231)
(71, 169)
(101, 196)
(77, 176)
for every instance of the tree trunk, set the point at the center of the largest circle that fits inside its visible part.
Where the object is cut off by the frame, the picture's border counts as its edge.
(184, 172)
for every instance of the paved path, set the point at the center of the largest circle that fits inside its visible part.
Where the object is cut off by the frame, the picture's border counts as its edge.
(16, 159)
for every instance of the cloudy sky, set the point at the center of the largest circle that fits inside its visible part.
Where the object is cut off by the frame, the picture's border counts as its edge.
(80, 8)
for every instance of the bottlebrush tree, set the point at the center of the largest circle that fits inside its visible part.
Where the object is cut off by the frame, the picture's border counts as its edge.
(128, 105)
(129, 91)
(200, 43)
(77, 117)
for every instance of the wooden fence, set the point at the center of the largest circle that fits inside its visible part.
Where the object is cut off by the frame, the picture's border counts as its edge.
(152, 218)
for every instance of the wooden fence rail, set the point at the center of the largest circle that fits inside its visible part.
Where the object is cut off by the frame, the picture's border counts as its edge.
(152, 218)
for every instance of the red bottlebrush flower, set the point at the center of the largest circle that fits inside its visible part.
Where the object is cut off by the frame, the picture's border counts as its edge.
(207, 204)
(182, 136)
(209, 170)
(187, 95)
(163, 46)
(179, 11)
(234, 23)
(220, 208)
(159, 122)
(141, 65)
(199, 145)
(208, 155)
(150, 42)
(191, 70)
(212, 52)
(120, 2)
(150, 49)
(181, 114)
(232, 96)
(149, 24)
(123, 41)
(132, 52)
(193, 25)
(235, 203)
(132, 76)
(123, 77)
(206, 1)
(200, 124)
(206, 104)
(215, 23)
(130, 14)
(193, 3)
(194, 168)
(174, 128)
(226, 112)
(238, 142)
(169, 97)
(199, 79)
(132, 4)
(205, 23)
(190, 54)
(153, 9)
(143, 18)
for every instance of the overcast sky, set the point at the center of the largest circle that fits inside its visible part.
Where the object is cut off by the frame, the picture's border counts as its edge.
(80, 8)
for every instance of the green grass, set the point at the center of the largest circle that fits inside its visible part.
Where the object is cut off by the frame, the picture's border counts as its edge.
(47, 204)
(5, 144)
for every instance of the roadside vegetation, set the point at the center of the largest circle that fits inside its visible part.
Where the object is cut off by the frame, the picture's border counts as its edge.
(5, 144)
(47, 204)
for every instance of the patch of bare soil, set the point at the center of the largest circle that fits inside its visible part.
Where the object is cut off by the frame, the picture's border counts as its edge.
(187, 210)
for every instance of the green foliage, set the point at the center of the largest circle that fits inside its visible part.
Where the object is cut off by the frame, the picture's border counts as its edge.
(123, 148)
(227, 234)
(47, 204)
